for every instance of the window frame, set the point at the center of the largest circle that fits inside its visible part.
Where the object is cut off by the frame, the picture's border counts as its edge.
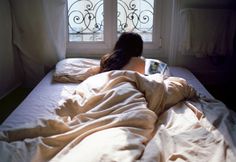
(99, 48)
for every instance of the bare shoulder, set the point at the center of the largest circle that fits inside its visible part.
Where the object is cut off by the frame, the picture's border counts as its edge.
(136, 64)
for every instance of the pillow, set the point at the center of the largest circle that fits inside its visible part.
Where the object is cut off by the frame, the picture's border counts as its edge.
(75, 69)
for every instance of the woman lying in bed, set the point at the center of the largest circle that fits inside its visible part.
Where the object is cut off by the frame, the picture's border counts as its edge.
(133, 132)
(127, 55)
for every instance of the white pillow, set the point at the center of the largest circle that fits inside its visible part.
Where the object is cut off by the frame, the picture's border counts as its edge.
(75, 69)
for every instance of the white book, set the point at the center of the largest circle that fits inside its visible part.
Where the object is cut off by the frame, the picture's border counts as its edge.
(154, 66)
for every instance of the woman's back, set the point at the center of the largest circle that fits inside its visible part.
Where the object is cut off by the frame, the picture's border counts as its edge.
(136, 64)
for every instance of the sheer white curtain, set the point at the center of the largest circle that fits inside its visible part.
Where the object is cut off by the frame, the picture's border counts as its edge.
(206, 32)
(39, 33)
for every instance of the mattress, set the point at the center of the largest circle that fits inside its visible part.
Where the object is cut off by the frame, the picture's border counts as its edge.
(43, 99)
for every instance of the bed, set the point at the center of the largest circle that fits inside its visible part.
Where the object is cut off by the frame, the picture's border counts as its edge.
(76, 114)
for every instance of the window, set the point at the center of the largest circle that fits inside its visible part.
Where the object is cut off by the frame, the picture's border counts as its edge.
(86, 20)
(137, 16)
(94, 25)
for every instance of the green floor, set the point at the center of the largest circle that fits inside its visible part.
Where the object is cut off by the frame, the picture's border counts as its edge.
(11, 101)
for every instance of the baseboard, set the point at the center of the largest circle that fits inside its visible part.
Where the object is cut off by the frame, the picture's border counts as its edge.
(10, 90)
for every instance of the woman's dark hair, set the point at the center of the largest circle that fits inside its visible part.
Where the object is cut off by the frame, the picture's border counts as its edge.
(128, 45)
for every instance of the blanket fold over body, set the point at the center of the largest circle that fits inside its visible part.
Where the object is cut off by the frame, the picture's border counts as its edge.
(118, 116)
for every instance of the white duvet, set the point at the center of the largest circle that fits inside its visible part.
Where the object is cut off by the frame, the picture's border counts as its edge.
(124, 116)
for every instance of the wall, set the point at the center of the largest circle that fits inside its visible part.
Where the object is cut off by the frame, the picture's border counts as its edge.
(10, 71)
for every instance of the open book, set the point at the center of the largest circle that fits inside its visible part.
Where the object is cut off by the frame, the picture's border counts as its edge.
(153, 66)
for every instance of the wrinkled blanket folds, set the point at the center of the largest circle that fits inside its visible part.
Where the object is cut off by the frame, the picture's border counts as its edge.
(124, 116)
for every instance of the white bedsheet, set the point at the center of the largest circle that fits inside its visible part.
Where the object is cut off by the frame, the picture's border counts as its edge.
(43, 99)
(40, 103)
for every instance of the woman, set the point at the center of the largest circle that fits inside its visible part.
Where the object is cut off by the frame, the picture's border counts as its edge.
(126, 54)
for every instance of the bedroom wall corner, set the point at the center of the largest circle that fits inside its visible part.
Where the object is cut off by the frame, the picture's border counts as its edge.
(10, 68)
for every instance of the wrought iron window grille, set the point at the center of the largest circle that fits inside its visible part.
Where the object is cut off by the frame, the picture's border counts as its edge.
(86, 18)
